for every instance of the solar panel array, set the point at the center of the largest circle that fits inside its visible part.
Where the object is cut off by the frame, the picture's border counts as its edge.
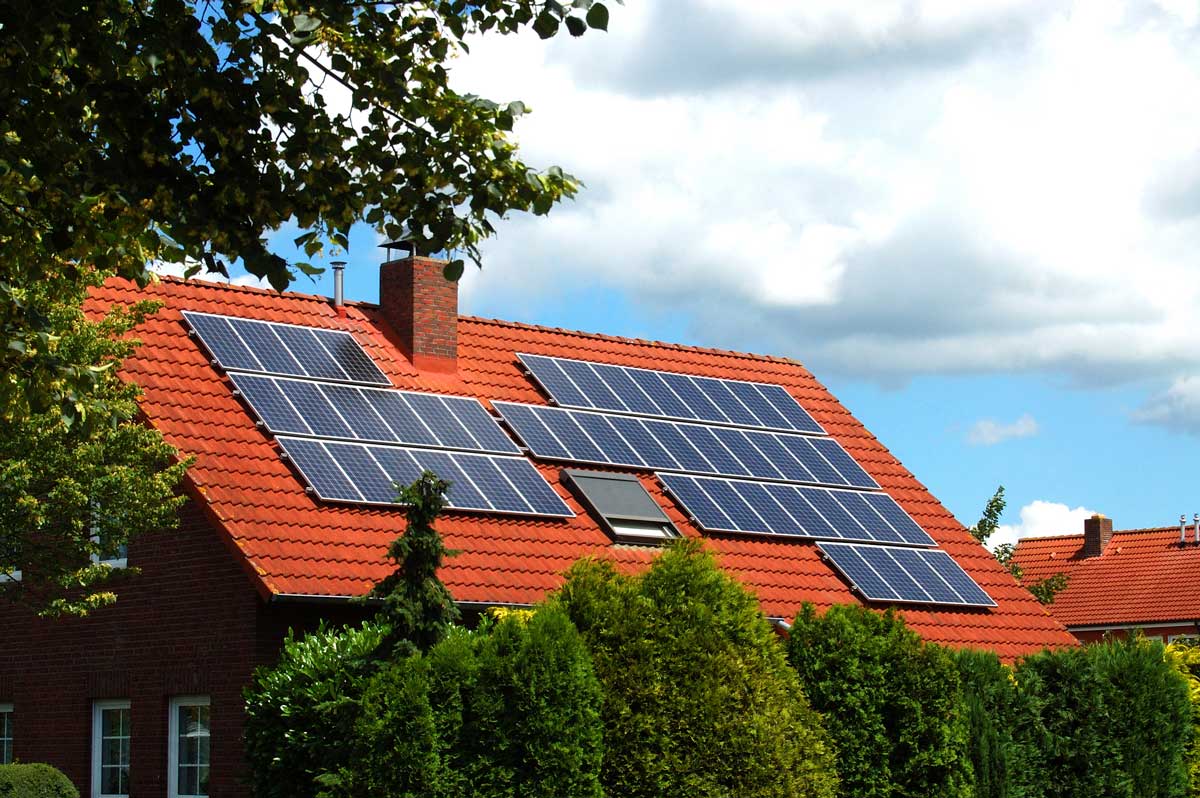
(643, 392)
(361, 441)
(588, 437)
(330, 410)
(367, 474)
(894, 574)
(731, 505)
(270, 348)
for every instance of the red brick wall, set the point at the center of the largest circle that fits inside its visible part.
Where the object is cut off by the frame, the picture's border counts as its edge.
(421, 306)
(190, 623)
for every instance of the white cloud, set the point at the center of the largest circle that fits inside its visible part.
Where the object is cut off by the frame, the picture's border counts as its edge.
(989, 432)
(177, 269)
(1177, 408)
(882, 189)
(1040, 519)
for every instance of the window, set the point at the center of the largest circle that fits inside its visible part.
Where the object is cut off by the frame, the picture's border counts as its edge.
(188, 746)
(110, 749)
(6, 734)
(117, 558)
(622, 505)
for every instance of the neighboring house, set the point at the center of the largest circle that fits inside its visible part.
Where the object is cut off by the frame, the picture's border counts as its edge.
(1120, 581)
(144, 698)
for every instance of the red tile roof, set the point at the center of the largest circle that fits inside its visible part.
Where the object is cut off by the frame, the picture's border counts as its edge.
(293, 544)
(1143, 576)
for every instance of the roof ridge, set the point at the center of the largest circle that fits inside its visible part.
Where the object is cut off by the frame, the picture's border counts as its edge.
(247, 289)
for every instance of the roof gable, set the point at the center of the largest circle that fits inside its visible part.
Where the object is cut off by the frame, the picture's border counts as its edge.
(294, 544)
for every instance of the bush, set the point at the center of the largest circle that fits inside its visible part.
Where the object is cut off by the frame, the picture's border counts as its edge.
(1005, 736)
(35, 780)
(1185, 658)
(890, 702)
(301, 713)
(699, 700)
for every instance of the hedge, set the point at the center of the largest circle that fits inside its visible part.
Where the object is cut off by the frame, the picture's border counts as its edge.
(699, 699)
(35, 780)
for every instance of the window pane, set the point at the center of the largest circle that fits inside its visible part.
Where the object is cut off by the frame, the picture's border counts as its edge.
(192, 749)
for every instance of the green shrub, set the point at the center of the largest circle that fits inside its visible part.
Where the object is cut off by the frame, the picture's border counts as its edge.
(301, 713)
(1005, 736)
(699, 700)
(1185, 658)
(35, 780)
(890, 702)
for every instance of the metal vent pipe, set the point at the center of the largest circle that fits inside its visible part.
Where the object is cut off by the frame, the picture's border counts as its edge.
(339, 296)
(1182, 529)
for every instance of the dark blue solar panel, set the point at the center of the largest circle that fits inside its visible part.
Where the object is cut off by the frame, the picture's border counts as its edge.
(779, 521)
(480, 424)
(719, 394)
(680, 447)
(462, 494)
(898, 519)
(740, 443)
(633, 397)
(315, 409)
(872, 521)
(646, 445)
(767, 415)
(693, 397)
(269, 403)
(358, 413)
(305, 348)
(844, 463)
(222, 342)
(366, 474)
(733, 505)
(400, 418)
(319, 470)
(798, 418)
(696, 502)
(615, 449)
(534, 489)
(267, 347)
(532, 432)
(561, 423)
(397, 463)
(793, 501)
(835, 514)
(552, 378)
(791, 468)
(433, 411)
(853, 566)
(817, 465)
(349, 354)
(962, 583)
(920, 570)
(594, 388)
(714, 451)
(489, 480)
(899, 580)
(652, 384)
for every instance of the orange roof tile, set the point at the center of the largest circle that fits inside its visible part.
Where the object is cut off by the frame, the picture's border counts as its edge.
(291, 543)
(1143, 576)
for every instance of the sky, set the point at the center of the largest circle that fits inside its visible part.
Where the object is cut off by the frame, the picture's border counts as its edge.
(977, 223)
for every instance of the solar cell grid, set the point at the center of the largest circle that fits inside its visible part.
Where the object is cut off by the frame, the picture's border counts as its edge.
(894, 574)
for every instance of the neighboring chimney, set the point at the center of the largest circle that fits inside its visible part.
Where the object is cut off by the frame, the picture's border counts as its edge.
(421, 306)
(1097, 531)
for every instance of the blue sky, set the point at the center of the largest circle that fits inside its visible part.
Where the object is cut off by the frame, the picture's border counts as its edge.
(976, 223)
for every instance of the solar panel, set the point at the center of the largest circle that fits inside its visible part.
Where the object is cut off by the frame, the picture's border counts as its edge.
(363, 473)
(764, 508)
(287, 349)
(580, 436)
(334, 410)
(899, 575)
(624, 389)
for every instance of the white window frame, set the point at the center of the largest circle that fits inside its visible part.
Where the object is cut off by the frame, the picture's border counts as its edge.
(115, 562)
(7, 709)
(98, 708)
(173, 742)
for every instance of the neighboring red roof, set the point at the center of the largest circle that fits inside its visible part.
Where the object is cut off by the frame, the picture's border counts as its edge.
(1142, 577)
(294, 544)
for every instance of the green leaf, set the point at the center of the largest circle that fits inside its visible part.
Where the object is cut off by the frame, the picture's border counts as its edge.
(597, 17)
(576, 26)
(305, 23)
(453, 271)
(545, 25)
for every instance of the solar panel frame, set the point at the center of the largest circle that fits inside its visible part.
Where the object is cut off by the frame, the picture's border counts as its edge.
(318, 353)
(329, 469)
(672, 395)
(888, 574)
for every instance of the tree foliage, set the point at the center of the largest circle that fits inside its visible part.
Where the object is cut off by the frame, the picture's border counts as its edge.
(890, 702)
(35, 780)
(699, 700)
(990, 520)
(1045, 590)
(1185, 659)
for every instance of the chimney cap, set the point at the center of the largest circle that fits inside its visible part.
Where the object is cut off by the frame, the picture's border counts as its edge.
(402, 244)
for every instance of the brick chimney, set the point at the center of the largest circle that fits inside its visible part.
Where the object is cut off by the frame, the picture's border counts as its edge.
(421, 306)
(1097, 531)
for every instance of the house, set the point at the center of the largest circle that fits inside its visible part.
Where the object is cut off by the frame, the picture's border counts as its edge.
(1120, 581)
(144, 698)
